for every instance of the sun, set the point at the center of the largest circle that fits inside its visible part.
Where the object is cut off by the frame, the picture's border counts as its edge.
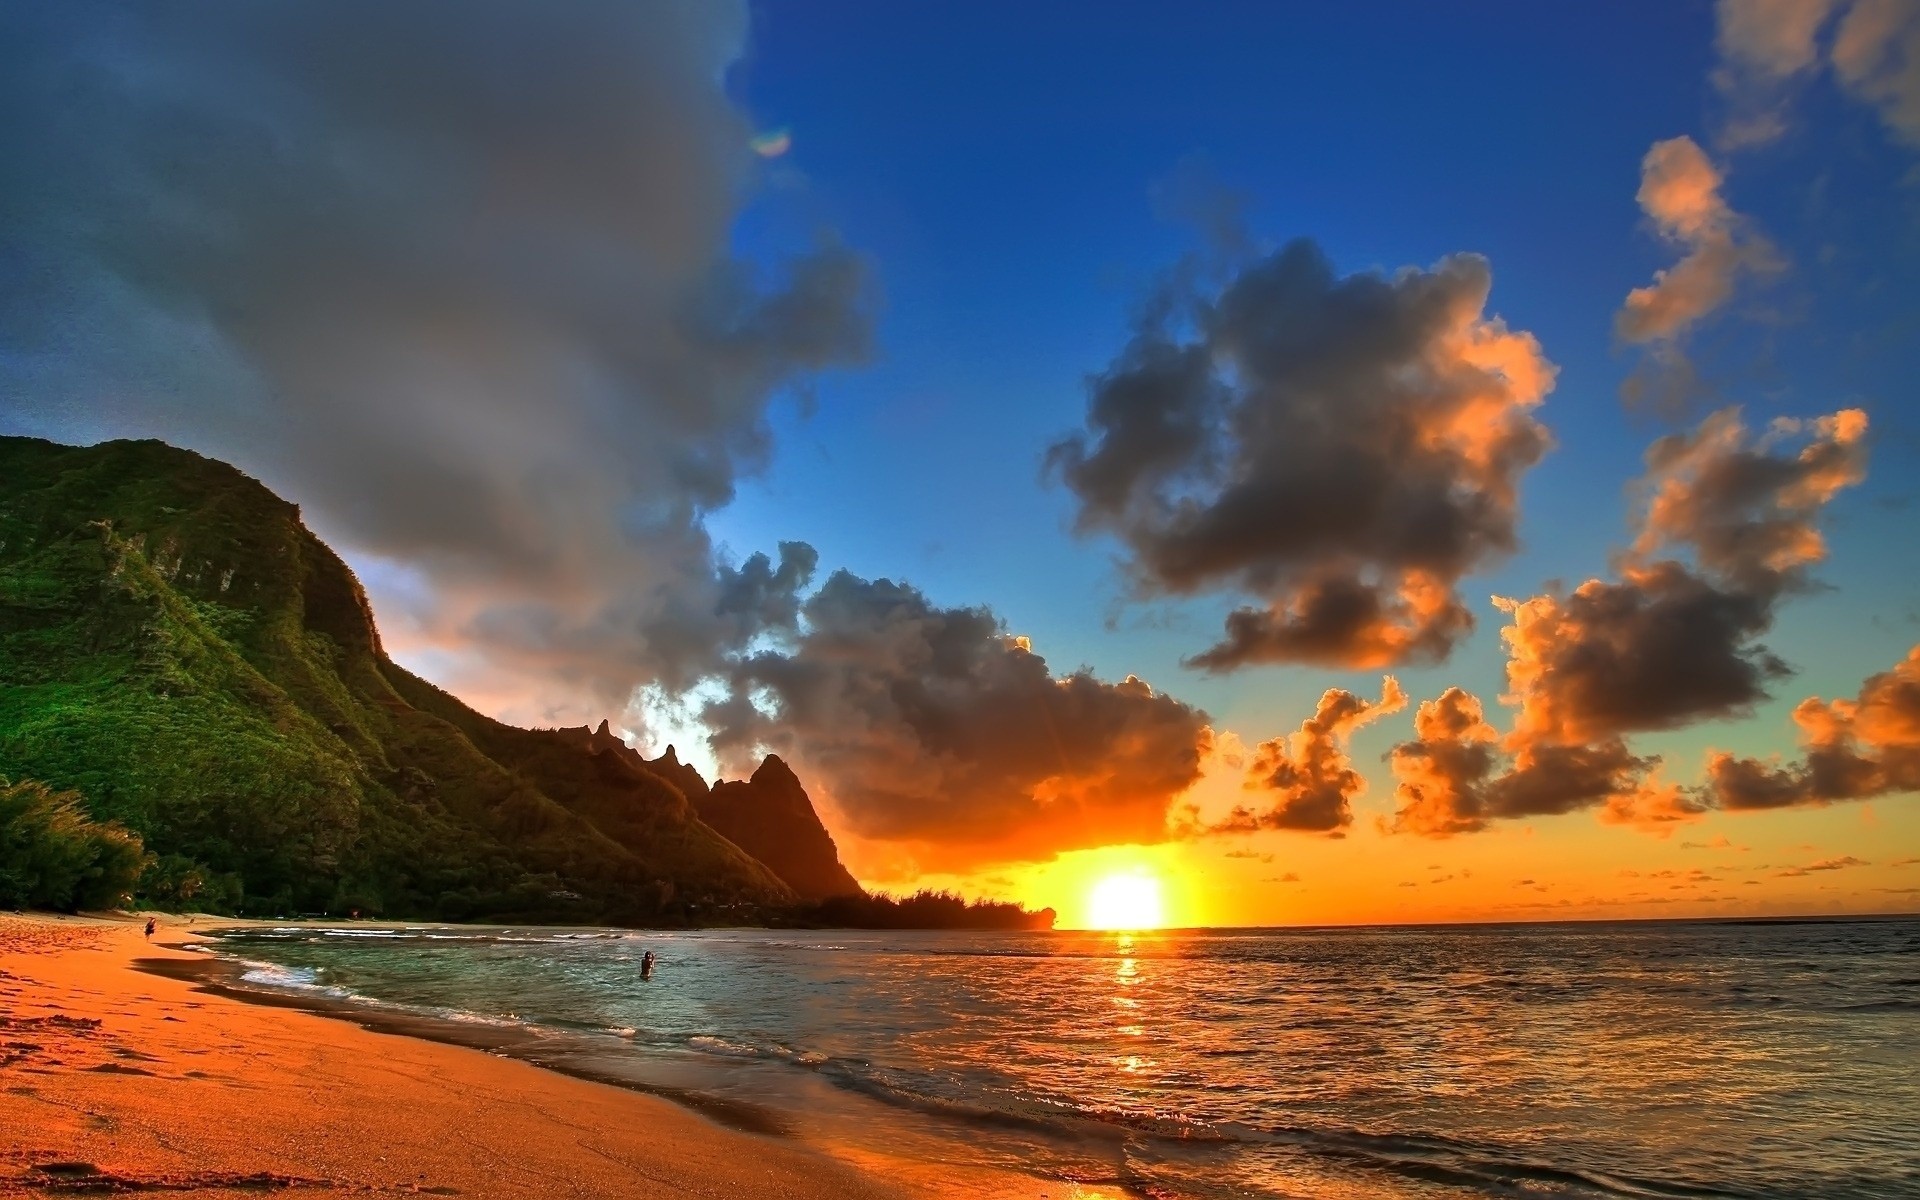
(1125, 901)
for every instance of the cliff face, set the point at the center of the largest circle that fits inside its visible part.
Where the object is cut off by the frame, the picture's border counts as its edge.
(771, 818)
(176, 646)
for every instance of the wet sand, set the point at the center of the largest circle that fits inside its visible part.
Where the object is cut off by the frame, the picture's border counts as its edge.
(115, 1078)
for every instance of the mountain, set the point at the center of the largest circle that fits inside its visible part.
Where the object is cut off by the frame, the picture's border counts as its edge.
(178, 648)
(770, 817)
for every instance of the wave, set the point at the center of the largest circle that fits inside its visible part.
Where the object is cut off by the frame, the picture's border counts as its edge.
(1881, 1006)
(308, 981)
(970, 1040)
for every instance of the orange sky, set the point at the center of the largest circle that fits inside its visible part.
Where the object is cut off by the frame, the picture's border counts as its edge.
(1862, 858)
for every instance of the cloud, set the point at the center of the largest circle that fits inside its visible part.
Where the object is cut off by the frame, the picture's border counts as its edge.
(1854, 750)
(932, 728)
(1669, 642)
(1718, 842)
(1728, 527)
(1772, 38)
(1308, 776)
(1680, 192)
(1829, 864)
(1443, 771)
(1876, 54)
(1343, 450)
(1458, 775)
(457, 281)
(1766, 46)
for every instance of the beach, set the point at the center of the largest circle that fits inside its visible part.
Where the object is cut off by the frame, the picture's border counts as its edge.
(114, 1079)
(392, 1058)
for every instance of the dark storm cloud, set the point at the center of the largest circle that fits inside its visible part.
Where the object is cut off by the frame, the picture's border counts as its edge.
(1310, 780)
(1854, 749)
(932, 727)
(1728, 528)
(1342, 449)
(456, 279)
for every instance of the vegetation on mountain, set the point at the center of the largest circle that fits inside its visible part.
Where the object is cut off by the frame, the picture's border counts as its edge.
(180, 650)
(54, 855)
(924, 910)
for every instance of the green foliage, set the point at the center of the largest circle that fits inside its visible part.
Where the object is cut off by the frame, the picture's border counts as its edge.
(180, 650)
(924, 909)
(54, 855)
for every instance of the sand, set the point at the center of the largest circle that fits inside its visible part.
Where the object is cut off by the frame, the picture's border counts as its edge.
(113, 1080)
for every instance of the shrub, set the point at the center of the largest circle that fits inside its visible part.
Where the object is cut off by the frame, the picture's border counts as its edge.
(54, 855)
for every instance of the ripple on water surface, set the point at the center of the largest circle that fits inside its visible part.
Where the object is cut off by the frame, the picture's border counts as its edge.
(1673, 1059)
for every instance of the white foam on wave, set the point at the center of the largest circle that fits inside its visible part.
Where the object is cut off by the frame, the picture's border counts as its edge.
(719, 1045)
(290, 979)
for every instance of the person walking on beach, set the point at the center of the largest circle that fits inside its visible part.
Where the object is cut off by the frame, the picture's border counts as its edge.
(151, 922)
(646, 965)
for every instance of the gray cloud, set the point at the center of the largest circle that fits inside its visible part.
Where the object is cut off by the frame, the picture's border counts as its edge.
(1767, 46)
(457, 281)
(1669, 641)
(1342, 449)
(933, 728)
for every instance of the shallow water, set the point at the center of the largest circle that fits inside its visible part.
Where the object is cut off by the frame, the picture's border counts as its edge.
(1664, 1059)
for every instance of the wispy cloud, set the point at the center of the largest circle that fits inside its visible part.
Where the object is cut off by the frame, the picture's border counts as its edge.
(1827, 864)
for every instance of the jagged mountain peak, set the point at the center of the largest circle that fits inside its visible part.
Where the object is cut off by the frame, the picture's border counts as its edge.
(771, 817)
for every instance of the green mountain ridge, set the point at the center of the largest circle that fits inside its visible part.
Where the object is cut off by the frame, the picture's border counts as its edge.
(178, 648)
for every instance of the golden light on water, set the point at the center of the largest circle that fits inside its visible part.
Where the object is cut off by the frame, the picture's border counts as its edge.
(1126, 901)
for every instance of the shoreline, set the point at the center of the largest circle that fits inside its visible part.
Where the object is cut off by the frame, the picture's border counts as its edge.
(134, 1066)
(211, 973)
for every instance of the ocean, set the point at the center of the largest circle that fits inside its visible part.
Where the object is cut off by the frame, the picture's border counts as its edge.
(1662, 1059)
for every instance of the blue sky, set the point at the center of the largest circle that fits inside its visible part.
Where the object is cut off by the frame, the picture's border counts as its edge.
(1001, 166)
(505, 300)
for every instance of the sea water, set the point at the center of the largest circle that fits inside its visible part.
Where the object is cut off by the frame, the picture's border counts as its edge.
(1666, 1059)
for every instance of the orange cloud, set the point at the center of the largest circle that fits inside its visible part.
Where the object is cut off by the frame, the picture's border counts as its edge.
(1680, 193)
(1665, 643)
(932, 729)
(1855, 749)
(1308, 774)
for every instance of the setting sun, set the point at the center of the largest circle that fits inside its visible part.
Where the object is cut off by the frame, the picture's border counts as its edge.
(1129, 901)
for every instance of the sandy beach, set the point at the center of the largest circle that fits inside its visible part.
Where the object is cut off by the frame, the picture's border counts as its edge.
(115, 1079)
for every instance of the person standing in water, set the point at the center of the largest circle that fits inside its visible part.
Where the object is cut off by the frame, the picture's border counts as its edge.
(646, 965)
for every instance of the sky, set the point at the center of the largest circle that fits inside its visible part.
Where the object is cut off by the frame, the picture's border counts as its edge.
(1344, 463)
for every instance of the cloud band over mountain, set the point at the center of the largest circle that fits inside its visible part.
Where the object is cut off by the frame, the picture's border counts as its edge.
(457, 281)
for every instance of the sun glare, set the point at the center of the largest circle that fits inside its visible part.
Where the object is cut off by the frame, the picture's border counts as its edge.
(1130, 901)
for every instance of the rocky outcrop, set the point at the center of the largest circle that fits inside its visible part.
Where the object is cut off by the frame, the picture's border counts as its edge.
(770, 817)
(669, 767)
